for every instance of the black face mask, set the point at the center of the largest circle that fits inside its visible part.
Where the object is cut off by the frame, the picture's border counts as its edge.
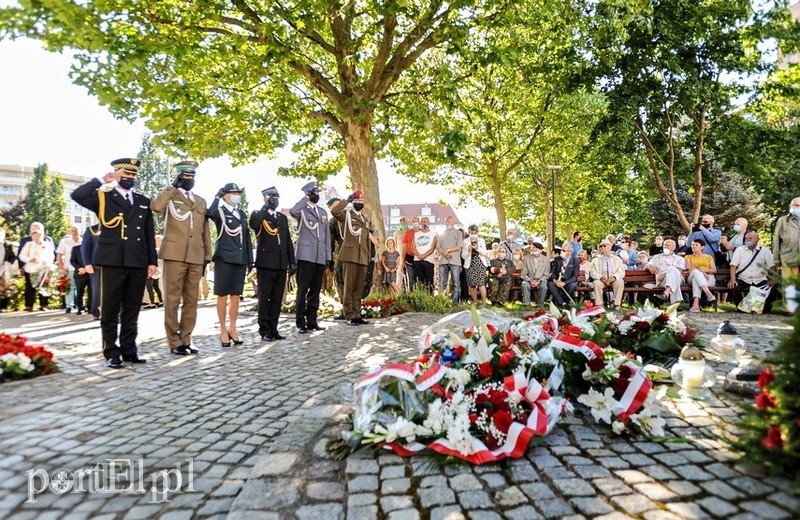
(272, 203)
(187, 184)
(126, 183)
(313, 197)
(358, 206)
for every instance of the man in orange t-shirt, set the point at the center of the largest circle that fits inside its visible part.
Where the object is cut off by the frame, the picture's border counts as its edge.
(408, 247)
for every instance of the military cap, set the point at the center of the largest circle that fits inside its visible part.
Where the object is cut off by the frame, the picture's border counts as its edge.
(186, 167)
(270, 192)
(311, 186)
(128, 165)
(231, 187)
(358, 195)
(332, 201)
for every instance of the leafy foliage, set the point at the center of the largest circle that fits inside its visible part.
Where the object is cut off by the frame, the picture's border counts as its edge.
(45, 203)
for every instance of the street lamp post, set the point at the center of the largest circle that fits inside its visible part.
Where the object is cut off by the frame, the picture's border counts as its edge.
(552, 239)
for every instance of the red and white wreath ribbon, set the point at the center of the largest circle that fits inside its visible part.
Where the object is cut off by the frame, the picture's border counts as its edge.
(587, 348)
(427, 380)
(591, 310)
(635, 394)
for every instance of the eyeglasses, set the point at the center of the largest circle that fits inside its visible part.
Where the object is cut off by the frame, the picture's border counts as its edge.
(604, 245)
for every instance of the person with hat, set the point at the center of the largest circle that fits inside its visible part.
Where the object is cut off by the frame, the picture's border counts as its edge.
(233, 254)
(607, 270)
(335, 264)
(534, 275)
(355, 253)
(125, 254)
(274, 256)
(313, 253)
(476, 261)
(185, 250)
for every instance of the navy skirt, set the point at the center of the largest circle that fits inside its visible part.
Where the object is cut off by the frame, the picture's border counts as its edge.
(228, 278)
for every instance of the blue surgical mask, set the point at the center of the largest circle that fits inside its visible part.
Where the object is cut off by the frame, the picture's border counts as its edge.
(126, 183)
(750, 243)
(737, 228)
(235, 199)
(795, 211)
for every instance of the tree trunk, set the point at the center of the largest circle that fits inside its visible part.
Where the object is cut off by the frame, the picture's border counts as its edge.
(360, 156)
(499, 203)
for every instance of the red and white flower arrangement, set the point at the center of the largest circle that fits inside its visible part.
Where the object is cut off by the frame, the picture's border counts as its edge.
(19, 360)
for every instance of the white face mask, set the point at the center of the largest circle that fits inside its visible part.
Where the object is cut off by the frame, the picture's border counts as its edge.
(667, 251)
(681, 243)
(562, 254)
(795, 211)
(449, 226)
(516, 257)
(235, 199)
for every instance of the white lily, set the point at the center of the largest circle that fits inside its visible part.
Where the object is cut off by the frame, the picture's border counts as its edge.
(479, 352)
(601, 405)
(647, 421)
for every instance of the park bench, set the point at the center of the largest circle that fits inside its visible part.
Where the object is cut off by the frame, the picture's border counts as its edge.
(643, 282)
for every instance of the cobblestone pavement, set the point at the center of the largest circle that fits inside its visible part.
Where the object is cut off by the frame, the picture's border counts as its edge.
(245, 429)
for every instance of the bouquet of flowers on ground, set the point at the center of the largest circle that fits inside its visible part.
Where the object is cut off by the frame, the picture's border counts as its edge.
(485, 384)
(19, 360)
(651, 332)
(380, 308)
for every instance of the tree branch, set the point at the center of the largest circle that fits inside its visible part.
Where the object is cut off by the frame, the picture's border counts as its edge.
(327, 117)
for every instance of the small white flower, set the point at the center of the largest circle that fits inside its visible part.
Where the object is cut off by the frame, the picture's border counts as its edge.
(601, 405)
(652, 424)
(618, 427)
(401, 428)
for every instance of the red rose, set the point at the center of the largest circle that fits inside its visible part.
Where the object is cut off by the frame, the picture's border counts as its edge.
(502, 420)
(459, 351)
(485, 370)
(481, 399)
(499, 399)
(663, 317)
(642, 325)
(619, 384)
(491, 442)
(773, 440)
(473, 418)
(625, 371)
(597, 364)
(506, 358)
(469, 332)
(561, 322)
(572, 330)
(765, 400)
(422, 359)
(766, 377)
(523, 418)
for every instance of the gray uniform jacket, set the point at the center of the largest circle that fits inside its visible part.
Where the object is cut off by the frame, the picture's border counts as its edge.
(313, 233)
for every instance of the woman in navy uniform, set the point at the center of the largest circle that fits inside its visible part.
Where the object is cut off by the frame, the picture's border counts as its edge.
(125, 254)
(233, 253)
(275, 254)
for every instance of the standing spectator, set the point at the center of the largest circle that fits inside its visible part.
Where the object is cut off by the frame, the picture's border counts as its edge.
(390, 260)
(624, 250)
(186, 251)
(563, 276)
(607, 270)
(476, 260)
(36, 274)
(274, 257)
(63, 256)
(335, 265)
(88, 247)
(313, 253)
(706, 231)
(233, 255)
(657, 247)
(786, 241)
(510, 243)
(357, 234)
(501, 269)
(700, 270)
(5, 266)
(668, 268)
(535, 272)
(408, 250)
(82, 280)
(125, 253)
(751, 266)
(153, 284)
(424, 247)
(729, 245)
(401, 249)
(448, 245)
(577, 238)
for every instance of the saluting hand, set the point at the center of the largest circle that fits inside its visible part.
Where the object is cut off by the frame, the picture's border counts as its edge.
(113, 176)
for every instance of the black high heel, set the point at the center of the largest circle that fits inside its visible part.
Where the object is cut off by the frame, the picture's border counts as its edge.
(226, 345)
(236, 340)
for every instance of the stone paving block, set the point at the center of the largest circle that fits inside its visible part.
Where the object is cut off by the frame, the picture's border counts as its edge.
(494, 480)
(559, 451)
(433, 481)
(510, 497)
(405, 514)
(484, 515)
(690, 472)
(751, 486)
(671, 459)
(716, 507)
(655, 491)
(328, 511)
(660, 515)
(545, 461)
(633, 476)
(475, 499)
(591, 506)
(362, 513)
(593, 471)
(687, 510)
(325, 490)
(721, 489)
(447, 513)
(634, 503)
(395, 486)
(142, 512)
(721, 471)
(273, 464)
(613, 462)
(216, 506)
(435, 496)
(616, 515)
(561, 473)
(465, 482)
(523, 471)
(388, 472)
(362, 466)
(268, 495)
(361, 499)
(554, 508)
(611, 486)
(622, 447)
(578, 461)
(537, 491)
(185, 514)
(637, 459)
(659, 472)
(573, 487)
(523, 513)
(683, 488)
(363, 483)
(765, 510)
(395, 503)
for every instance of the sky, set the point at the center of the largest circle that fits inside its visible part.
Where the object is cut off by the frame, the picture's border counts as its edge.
(44, 118)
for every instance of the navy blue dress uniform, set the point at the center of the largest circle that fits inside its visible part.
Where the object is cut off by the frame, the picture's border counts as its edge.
(233, 251)
(88, 247)
(125, 250)
(313, 254)
(274, 256)
(82, 280)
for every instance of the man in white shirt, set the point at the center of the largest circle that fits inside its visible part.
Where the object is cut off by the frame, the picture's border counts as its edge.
(424, 247)
(607, 270)
(448, 245)
(668, 268)
(750, 265)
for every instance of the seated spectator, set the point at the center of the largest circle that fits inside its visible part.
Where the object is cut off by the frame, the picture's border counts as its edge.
(535, 271)
(501, 269)
(641, 261)
(684, 248)
(668, 268)
(613, 240)
(633, 255)
(624, 250)
(699, 273)
(584, 264)
(750, 266)
(706, 232)
(493, 252)
(607, 270)
(657, 247)
(563, 276)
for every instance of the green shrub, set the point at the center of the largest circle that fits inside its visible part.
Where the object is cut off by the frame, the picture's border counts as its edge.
(420, 300)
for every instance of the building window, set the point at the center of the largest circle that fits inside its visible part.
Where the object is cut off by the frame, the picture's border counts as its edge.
(394, 212)
(78, 219)
(426, 211)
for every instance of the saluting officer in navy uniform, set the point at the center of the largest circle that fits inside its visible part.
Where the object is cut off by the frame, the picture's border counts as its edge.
(274, 255)
(125, 255)
(313, 254)
(233, 254)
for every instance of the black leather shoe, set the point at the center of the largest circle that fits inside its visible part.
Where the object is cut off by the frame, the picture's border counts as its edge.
(114, 362)
(278, 336)
(191, 349)
(315, 327)
(133, 358)
(268, 337)
(302, 330)
(180, 351)
(340, 316)
(362, 321)
(353, 323)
